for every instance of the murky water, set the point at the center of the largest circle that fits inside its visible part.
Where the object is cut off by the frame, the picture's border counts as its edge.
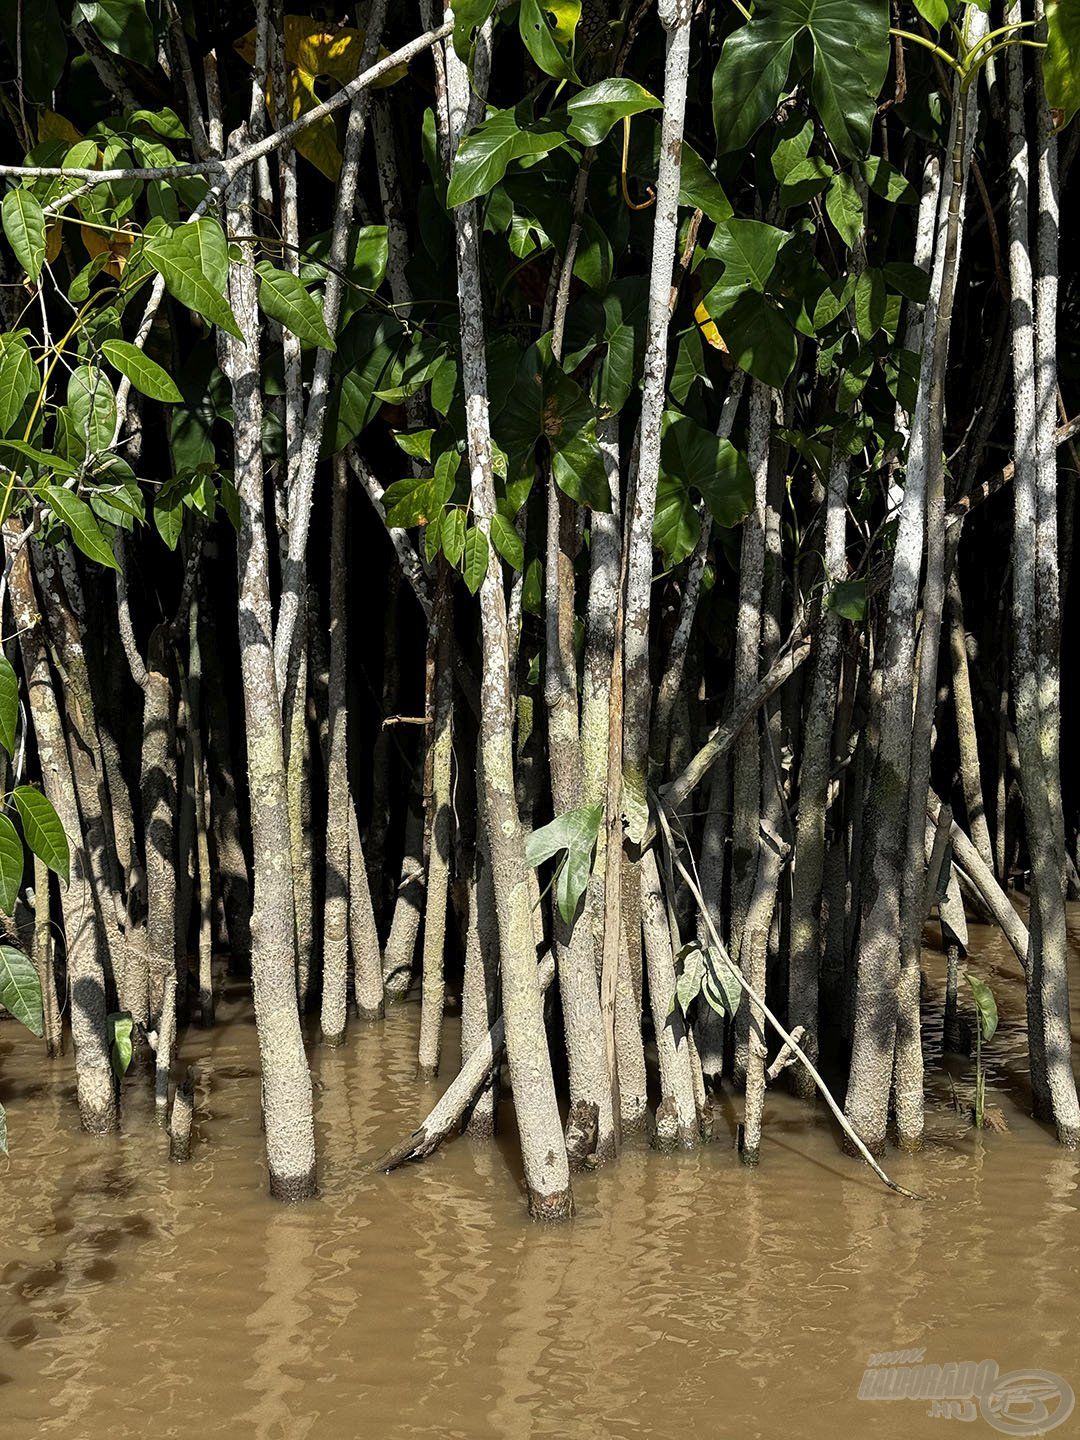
(689, 1297)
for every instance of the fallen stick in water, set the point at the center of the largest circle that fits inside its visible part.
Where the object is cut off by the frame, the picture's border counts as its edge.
(789, 1040)
(449, 1112)
(982, 878)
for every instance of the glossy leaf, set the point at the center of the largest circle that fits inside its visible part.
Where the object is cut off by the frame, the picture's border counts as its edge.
(18, 379)
(573, 833)
(122, 26)
(121, 1035)
(1061, 59)
(92, 403)
(475, 558)
(850, 46)
(507, 541)
(985, 1005)
(84, 528)
(712, 465)
(11, 865)
(284, 299)
(145, 374)
(9, 704)
(20, 989)
(42, 829)
(24, 226)
(548, 28)
(594, 111)
(180, 259)
(483, 154)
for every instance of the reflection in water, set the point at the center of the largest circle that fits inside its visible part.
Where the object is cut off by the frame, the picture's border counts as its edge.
(690, 1297)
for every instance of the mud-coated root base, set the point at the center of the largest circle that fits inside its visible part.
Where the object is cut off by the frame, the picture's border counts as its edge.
(559, 1206)
(368, 1016)
(332, 1042)
(1068, 1137)
(292, 1189)
(427, 1073)
(668, 1134)
(481, 1124)
(581, 1127)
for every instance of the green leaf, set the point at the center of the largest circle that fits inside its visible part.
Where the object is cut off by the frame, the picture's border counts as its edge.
(712, 465)
(483, 154)
(42, 829)
(475, 558)
(145, 374)
(676, 523)
(453, 535)
(889, 182)
(844, 208)
(760, 338)
(121, 1031)
(122, 26)
(719, 987)
(850, 40)
(284, 299)
(871, 299)
(547, 28)
(594, 111)
(180, 258)
(692, 973)
(18, 379)
(908, 280)
(507, 541)
(934, 12)
(36, 33)
(79, 519)
(848, 598)
(11, 865)
(574, 832)
(985, 1005)
(24, 226)
(1061, 69)
(20, 989)
(92, 403)
(9, 704)
(169, 513)
(749, 249)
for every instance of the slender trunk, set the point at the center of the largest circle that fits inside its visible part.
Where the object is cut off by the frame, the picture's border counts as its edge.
(543, 1148)
(335, 953)
(441, 746)
(676, 1115)
(286, 1087)
(970, 769)
(43, 962)
(83, 939)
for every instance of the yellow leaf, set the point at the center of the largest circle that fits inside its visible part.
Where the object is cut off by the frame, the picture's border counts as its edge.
(52, 126)
(117, 246)
(709, 332)
(53, 236)
(312, 51)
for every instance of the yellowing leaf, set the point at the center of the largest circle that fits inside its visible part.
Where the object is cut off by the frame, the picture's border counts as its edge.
(117, 246)
(710, 334)
(53, 237)
(313, 50)
(52, 126)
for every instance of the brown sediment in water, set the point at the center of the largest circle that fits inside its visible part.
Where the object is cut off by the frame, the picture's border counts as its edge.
(689, 1297)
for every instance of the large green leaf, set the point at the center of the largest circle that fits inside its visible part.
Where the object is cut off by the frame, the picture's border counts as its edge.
(122, 26)
(20, 989)
(474, 562)
(749, 249)
(1061, 59)
(18, 379)
(24, 226)
(676, 523)
(121, 1033)
(483, 154)
(42, 828)
(9, 704)
(11, 865)
(712, 465)
(594, 111)
(575, 833)
(79, 519)
(547, 28)
(850, 40)
(181, 258)
(92, 404)
(759, 337)
(145, 374)
(284, 299)
(36, 33)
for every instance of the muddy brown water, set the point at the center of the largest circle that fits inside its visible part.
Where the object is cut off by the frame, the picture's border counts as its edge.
(689, 1297)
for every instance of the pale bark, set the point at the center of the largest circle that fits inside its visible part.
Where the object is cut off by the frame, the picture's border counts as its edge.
(543, 1149)
(286, 1087)
(336, 894)
(441, 745)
